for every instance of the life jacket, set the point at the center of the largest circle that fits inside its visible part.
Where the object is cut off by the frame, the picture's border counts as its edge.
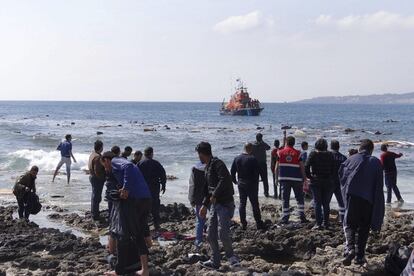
(289, 164)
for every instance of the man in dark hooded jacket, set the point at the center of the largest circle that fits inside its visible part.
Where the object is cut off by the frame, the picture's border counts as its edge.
(155, 176)
(361, 179)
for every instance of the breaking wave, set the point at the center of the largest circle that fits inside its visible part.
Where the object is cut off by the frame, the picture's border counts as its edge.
(45, 160)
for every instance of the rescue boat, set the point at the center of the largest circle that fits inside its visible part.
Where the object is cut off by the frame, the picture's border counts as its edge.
(240, 103)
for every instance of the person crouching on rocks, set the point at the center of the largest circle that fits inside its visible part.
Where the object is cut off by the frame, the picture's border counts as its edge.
(218, 197)
(197, 185)
(24, 185)
(129, 218)
(362, 184)
(246, 167)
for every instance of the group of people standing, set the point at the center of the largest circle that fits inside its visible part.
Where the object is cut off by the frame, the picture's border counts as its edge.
(133, 190)
(356, 181)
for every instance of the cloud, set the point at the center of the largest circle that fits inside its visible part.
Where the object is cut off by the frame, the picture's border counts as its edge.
(241, 23)
(378, 21)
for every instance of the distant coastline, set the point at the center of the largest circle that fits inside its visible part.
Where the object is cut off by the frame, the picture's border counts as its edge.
(406, 98)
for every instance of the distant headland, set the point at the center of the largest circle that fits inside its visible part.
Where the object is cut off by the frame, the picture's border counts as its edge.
(406, 98)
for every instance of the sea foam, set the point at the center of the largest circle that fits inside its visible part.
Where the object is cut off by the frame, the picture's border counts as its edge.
(47, 160)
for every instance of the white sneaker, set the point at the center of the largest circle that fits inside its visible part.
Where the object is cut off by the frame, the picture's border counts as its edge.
(234, 261)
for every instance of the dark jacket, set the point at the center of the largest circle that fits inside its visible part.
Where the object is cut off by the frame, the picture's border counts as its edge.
(361, 175)
(154, 174)
(247, 169)
(320, 166)
(197, 185)
(219, 183)
(259, 151)
(339, 158)
(24, 181)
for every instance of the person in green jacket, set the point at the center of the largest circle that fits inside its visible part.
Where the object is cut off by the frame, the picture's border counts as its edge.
(24, 185)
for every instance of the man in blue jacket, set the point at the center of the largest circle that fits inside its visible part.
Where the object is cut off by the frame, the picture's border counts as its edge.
(65, 148)
(361, 179)
(129, 224)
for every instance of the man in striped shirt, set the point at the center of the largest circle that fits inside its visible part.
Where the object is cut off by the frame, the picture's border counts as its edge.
(291, 176)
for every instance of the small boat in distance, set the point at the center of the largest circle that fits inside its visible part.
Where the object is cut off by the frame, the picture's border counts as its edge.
(240, 103)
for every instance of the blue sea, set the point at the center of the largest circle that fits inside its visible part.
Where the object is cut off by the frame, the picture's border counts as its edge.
(31, 131)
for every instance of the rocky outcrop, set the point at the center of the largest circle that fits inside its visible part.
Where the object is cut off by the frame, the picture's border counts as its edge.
(294, 249)
(24, 248)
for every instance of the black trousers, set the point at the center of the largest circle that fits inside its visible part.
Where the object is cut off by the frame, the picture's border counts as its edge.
(252, 193)
(275, 186)
(263, 176)
(155, 210)
(357, 224)
(322, 193)
(133, 228)
(96, 197)
(23, 206)
(391, 184)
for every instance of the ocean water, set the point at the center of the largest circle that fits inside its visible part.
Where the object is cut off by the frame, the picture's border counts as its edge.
(30, 132)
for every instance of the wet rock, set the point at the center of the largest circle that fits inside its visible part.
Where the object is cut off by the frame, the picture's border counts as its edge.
(72, 123)
(99, 133)
(294, 249)
(349, 130)
(171, 177)
(26, 249)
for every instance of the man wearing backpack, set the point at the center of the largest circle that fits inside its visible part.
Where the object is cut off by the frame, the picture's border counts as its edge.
(25, 184)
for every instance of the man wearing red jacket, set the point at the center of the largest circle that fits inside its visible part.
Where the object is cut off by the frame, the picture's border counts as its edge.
(291, 176)
(390, 172)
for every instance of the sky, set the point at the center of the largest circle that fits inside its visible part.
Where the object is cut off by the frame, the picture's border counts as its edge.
(175, 50)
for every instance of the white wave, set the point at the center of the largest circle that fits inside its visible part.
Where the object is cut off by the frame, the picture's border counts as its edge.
(47, 160)
(398, 143)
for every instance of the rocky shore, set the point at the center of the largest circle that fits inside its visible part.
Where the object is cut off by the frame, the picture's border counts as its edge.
(26, 249)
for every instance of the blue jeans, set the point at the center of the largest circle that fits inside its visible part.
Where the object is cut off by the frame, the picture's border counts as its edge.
(322, 194)
(391, 184)
(219, 227)
(297, 187)
(96, 198)
(199, 226)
